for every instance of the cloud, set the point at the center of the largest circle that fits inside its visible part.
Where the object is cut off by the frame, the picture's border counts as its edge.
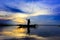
(16, 10)
(57, 10)
(11, 9)
(23, 6)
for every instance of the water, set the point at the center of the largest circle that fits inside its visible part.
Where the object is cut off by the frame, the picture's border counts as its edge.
(39, 33)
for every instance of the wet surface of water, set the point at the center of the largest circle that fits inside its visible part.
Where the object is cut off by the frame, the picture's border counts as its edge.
(39, 33)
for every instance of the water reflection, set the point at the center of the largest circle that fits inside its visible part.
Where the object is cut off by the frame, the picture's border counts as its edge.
(25, 37)
(40, 33)
(13, 33)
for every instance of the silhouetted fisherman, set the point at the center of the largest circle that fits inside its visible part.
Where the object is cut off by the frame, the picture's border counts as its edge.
(28, 26)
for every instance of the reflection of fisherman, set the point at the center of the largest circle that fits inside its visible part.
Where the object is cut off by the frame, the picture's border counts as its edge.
(28, 32)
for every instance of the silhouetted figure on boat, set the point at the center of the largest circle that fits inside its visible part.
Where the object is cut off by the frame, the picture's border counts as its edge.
(28, 26)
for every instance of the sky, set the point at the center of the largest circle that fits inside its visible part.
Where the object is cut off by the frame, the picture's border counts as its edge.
(15, 10)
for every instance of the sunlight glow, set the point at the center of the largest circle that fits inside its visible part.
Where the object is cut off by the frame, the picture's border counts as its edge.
(20, 21)
(19, 30)
(15, 32)
(22, 35)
